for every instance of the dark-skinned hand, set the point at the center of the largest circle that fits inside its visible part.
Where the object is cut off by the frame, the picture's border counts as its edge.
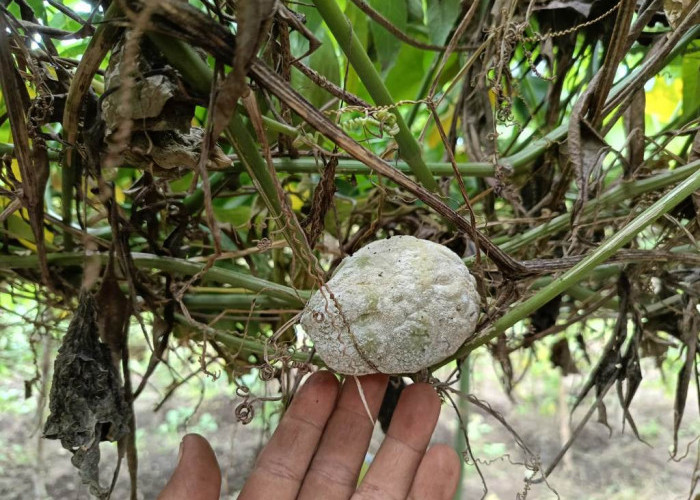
(320, 444)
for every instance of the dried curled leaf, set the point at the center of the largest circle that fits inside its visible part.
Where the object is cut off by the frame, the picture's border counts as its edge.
(156, 100)
(674, 11)
(86, 402)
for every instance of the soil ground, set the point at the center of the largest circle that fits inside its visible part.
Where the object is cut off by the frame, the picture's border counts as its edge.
(600, 465)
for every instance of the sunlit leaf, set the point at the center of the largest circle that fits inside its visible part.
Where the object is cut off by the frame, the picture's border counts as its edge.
(441, 18)
(691, 80)
(386, 44)
(664, 98)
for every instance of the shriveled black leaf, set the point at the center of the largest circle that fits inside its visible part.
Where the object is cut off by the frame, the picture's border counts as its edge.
(86, 402)
(546, 316)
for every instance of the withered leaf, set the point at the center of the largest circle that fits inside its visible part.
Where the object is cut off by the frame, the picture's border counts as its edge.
(86, 402)
(635, 125)
(30, 147)
(609, 366)
(157, 100)
(690, 328)
(674, 10)
(561, 357)
(631, 374)
(587, 151)
(253, 19)
(322, 201)
(114, 313)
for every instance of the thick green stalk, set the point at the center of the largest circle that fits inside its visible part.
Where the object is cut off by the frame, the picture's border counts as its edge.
(283, 293)
(268, 189)
(535, 149)
(463, 408)
(219, 301)
(311, 166)
(340, 26)
(625, 191)
(195, 200)
(247, 150)
(581, 270)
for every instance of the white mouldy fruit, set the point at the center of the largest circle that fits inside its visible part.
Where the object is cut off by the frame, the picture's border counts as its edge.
(396, 306)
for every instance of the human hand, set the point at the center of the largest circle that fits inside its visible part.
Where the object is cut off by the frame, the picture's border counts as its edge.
(319, 447)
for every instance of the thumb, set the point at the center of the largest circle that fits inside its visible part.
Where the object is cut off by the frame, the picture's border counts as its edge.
(197, 475)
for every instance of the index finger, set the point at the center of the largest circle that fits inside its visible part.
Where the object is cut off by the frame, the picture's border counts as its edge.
(282, 464)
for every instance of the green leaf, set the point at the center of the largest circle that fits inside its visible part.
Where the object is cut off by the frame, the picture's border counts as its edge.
(234, 211)
(358, 21)
(441, 18)
(38, 8)
(404, 79)
(325, 61)
(415, 11)
(386, 44)
(74, 50)
(691, 80)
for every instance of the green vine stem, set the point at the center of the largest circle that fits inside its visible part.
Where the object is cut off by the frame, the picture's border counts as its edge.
(252, 346)
(284, 294)
(581, 270)
(340, 26)
(310, 166)
(625, 191)
(232, 300)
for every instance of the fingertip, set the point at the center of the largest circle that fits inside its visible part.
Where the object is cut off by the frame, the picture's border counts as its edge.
(373, 388)
(323, 383)
(438, 474)
(379, 379)
(197, 475)
(417, 411)
(424, 394)
(196, 443)
(445, 459)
